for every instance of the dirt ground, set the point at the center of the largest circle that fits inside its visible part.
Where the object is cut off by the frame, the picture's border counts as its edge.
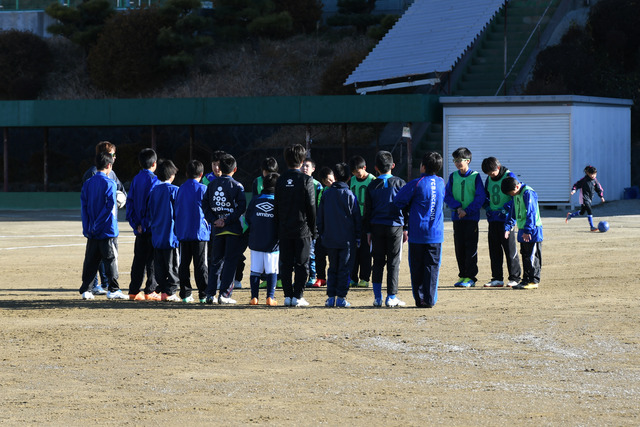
(565, 354)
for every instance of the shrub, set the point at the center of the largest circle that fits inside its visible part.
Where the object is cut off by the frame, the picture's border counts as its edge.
(126, 58)
(306, 14)
(337, 72)
(83, 24)
(277, 25)
(25, 60)
(378, 32)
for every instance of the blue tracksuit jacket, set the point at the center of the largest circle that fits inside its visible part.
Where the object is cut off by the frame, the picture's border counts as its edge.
(99, 209)
(138, 200)
(425, 198)
(161, 215)
(190, 222)
(338, 220)
(378, 202)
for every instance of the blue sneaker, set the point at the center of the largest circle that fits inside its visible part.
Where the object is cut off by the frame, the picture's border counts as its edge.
(330, 302)
(352, 284)
(341, 302)
(467, 283)
(377, 302)
(458, 284)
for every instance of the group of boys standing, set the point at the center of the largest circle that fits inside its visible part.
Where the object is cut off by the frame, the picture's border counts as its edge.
(358, 221)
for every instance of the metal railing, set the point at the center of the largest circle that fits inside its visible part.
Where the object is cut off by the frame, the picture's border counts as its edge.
(24, 5)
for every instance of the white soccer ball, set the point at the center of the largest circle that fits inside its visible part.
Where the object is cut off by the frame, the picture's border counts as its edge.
(121, 199)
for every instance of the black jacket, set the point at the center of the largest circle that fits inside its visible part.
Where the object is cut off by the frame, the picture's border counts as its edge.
(295, 205)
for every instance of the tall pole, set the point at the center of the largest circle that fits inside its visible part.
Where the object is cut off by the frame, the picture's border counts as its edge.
(504, 80)
(409, 154)
(307, 140)
(5, 160)
(45, 150)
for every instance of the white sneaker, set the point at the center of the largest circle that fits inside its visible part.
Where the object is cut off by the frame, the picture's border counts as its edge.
(188, 299)
(394, 302)
(225, 300)
(511, 284)
(117, 295)
(173, 298)
(98, 290)
(87, 295)
(287, 301)
(494, 284)
(237, 284)
(299, 302)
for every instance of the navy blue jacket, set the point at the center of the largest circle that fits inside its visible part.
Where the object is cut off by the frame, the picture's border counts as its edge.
(99, 209)
(339, 221)
(225, 198)
(378, 202)
(425, 198)
(263, 228)
(191, 224)
(161, 215)
(138, 200)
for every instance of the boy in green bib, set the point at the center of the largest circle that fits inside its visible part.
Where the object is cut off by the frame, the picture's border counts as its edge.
(499, 247)
(524, 212)
(464, 194)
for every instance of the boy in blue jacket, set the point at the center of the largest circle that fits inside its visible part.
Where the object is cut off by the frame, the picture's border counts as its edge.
(464, 194)
(165, 242)
(524, 212)
(385, 227)
(137, 216)
(100, 227)
(223, 204)
(496, 216)
(339, 226)
(263, 240)
(193, 232)
(425, 198)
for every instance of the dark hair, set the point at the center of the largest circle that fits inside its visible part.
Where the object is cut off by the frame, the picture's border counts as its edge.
(269, 181)
(147, 157)
(310, 160)
(294, 155)
(590, 169)
(227, 164)
(357, 162)
(195, 168)
(325, 171)
(384, 161)
(432, 162)
(342, 172)
(216, 155)
(490, 164)
(103, 160)
(508, 184)
(270, 165)
(105, 147)
(166, 169)
(462, 152)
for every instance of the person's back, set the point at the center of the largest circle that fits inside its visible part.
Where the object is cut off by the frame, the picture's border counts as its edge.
(193, 231)
(425, 198)
(190, 223)
(339, 225)
(138, 197)
(384, 224)
(295, 210)
(161, 212)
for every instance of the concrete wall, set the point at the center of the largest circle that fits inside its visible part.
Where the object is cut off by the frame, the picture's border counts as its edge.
(35, 21)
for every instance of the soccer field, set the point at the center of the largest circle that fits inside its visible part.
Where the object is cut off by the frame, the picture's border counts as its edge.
(567, 353)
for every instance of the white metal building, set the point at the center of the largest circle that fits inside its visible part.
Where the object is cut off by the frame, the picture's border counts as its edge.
(545, 140)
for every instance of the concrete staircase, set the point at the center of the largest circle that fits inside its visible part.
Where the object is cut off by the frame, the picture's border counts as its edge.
(484, 71)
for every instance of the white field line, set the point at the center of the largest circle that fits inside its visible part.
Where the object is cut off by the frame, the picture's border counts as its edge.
(120, 239)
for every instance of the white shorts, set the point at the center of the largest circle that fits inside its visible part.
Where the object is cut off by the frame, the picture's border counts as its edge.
(265, 262)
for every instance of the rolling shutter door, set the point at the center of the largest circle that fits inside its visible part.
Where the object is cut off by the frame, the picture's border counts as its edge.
(534, 147)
